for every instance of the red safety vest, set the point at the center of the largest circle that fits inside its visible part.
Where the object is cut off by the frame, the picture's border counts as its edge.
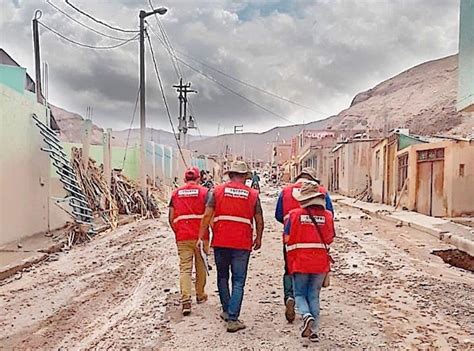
(233, 216)
(289, 202)
(189, 203)
(305, 250)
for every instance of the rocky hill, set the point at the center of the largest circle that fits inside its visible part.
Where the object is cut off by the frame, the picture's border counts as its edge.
(422, 99)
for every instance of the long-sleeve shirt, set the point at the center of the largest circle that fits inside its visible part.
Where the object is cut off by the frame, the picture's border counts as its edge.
(279, 207)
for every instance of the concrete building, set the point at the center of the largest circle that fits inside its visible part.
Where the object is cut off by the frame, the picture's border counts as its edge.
(440, 177)
(385, 179)
(350, 170)
(25, 171)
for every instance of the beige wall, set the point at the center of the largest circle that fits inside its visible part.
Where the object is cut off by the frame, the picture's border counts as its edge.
(24, 169)
(354, 168)
(377, 173)
(458, 192)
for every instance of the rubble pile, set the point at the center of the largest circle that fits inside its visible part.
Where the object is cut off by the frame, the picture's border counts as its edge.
(129, 198)
(122, 198)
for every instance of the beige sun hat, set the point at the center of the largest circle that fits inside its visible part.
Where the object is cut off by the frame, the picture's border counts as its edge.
(239, 167)
(310, 172)
(309, 195)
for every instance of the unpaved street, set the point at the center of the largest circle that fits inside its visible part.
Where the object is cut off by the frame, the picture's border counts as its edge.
(121, 291)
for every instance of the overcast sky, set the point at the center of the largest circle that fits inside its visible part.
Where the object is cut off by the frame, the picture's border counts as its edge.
(319, 53)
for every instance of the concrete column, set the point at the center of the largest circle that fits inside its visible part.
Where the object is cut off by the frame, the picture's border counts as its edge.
(107, 157)
(153, 163)
(86, 141)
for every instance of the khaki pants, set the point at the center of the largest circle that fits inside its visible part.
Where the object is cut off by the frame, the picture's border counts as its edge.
(187, 251)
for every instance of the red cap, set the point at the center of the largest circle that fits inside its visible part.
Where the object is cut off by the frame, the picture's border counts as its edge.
(192, 173)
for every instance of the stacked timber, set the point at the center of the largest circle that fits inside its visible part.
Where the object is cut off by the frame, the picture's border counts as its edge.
(123, 197)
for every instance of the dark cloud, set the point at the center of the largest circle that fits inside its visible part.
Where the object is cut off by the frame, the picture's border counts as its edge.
(320, 53)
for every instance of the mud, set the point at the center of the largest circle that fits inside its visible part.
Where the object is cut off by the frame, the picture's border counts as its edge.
(121, 291)
(456, 258)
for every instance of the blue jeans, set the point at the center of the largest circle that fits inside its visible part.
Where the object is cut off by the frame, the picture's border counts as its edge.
(237, 261)
(307, 288)
(287, 280)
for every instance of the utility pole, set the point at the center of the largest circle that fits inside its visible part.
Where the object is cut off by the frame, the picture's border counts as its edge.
(184, 123)
(237, 129)
(36, 47)
(142, 15)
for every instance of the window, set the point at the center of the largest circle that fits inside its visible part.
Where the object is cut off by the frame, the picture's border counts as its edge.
(461, 170)
(402, 170)
(377, 164)
(430, 155)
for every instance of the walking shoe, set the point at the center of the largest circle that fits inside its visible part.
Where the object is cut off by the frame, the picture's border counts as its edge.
(290, 310)
(314, 337)
(186, 308)
(235, 326)
(224, 316)
(202, 299)
(308, 321)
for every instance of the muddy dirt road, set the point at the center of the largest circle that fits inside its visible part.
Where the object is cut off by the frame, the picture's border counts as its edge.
(121, 291)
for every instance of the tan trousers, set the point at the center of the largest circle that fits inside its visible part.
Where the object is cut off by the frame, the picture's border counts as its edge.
(187, 251)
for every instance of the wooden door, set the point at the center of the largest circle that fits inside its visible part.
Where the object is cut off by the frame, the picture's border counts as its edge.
(430, 183)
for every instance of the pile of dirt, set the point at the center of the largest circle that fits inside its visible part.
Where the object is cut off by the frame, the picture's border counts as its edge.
(456, 258)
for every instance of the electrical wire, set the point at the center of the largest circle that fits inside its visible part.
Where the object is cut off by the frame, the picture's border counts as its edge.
(99, 21)
(248, 84)
(164, 100)
(87, 45)
(82, 24)
(172, 54)
(130, 128)
(222, 85)
(212, 79)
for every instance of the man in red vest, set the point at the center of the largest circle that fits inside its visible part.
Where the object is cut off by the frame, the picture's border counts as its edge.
(186, 210)
(308, 232)
(287, 202)
(233, 207)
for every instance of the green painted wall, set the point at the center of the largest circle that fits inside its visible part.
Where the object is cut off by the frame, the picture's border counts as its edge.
(96, 152)
(13, 77)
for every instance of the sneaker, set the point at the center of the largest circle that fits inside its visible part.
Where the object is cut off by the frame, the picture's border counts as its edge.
(307, 326)
(202, 299)
(186, 308)
(314, 337)
(290, 310)
(235, 326)
(224, 316)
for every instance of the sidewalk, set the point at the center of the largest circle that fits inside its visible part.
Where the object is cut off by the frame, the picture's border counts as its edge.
(26, 252)
(460, 236)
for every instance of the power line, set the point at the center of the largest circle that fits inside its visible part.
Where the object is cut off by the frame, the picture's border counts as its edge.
(99, 21)
(248, 84)
(130, 128)
(222, 85)
(212, 79)
(172, 54)
(164, 99)
(82, 24)
(87, 45)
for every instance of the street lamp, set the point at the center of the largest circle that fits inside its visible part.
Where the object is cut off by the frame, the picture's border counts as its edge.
(142, 15)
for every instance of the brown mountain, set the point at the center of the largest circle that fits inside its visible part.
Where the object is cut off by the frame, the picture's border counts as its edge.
(421, 98)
